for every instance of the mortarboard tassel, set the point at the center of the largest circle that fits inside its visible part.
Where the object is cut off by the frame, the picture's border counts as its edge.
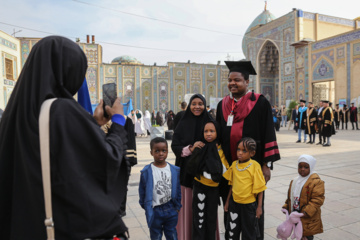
(252, 98)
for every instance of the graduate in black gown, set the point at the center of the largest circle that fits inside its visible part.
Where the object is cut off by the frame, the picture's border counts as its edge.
(311, 115)
(88, 174)
(327, 127)
(246, 114)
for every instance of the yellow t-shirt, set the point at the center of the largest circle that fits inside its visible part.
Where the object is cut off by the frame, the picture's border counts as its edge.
(245, 184)
(225, 165)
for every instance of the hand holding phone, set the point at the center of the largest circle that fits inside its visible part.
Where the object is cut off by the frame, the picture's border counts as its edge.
(109, 96)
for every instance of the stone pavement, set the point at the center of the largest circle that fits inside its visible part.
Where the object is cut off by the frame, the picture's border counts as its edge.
(338, 166)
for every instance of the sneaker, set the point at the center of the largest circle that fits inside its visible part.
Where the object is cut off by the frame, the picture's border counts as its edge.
(326, 145)
(319, 143)
(298, 141)
(309, 142)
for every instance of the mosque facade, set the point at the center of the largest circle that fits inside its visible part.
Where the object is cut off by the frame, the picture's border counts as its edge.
(304, 55)
(301, 55)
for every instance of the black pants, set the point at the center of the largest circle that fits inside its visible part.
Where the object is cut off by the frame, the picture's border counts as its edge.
(342, 125)
(242, 219)
(312, 137)
(337, 124)
(352, 124)
(204, 205)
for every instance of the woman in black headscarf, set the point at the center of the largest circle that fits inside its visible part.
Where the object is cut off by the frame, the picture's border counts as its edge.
(159, 118)
(88, 176)
(170, 120)
(186, 138)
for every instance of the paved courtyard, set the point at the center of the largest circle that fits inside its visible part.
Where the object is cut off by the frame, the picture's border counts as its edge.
(338, 166)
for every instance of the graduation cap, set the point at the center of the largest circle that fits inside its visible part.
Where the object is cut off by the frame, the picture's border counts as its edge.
(325, 101)
(241, 66)
(302, 100)
(345, 105)
(337, 104)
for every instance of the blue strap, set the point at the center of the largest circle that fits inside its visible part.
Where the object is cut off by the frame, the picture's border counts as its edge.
(119, 119)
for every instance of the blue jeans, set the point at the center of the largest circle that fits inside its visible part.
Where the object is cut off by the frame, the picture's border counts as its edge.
(299, 134)
(165, 220)
(283, 120)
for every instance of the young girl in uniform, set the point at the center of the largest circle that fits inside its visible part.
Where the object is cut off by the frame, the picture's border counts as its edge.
(207, 164)
(306, 195)
(244, 202)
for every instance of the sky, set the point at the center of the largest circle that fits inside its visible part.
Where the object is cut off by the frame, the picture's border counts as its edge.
(116, 23)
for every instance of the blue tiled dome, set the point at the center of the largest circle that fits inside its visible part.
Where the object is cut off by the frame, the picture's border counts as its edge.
(265, 17)
(125, 59)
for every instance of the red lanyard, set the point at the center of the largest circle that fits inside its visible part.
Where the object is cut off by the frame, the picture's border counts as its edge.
(232, 107)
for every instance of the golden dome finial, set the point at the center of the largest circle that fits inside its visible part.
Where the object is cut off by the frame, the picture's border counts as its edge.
(265, 5)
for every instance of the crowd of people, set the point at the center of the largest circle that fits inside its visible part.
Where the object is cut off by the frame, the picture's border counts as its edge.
(310, 120)
(227, 158)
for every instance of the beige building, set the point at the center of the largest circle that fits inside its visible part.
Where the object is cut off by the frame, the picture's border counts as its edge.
(10, 66)
(304, 55)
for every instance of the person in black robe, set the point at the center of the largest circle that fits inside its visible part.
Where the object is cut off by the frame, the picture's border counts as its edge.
(353, 116)
(88, 174)
(345, 118)
(327, 118)
(179, 115)
(170, 120)
(319, 123)
(294, 116)
(246, 114)
(337, 116)
(159, 118)
(186, 138)
(310, 122)
(301, 120)
(153, 118)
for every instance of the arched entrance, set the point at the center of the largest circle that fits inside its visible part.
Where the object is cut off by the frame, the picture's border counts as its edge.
(269, 72)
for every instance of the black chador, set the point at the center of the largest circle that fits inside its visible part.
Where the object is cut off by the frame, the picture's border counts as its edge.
(337, 116)
(88, 174)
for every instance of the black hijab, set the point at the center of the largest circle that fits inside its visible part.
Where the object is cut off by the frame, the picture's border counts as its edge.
(187, 132)
(84, 167)
(207, 158)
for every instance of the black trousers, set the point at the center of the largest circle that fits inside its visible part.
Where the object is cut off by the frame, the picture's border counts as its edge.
(205, 206)
(352, 124)
(342, 125)
(337, 124)
(242, 220)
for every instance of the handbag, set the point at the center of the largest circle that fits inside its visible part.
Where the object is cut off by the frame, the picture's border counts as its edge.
(44, 135)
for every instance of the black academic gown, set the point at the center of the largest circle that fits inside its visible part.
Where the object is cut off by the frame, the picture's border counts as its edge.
(327, 119)
(337, 116)
(88, 174)
(353, 114)
(310, 119)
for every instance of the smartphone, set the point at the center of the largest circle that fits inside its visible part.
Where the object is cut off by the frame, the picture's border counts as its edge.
(109, 95)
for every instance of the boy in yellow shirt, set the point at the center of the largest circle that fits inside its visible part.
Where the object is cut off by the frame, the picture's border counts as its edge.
(247, 185)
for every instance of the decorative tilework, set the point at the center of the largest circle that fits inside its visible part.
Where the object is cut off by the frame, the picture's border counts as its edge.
(91, 53)
(129, 89)
(300, 57)
(9, 82)
(224, 89)
(145, 72)
(195, 73)
(179, 94)
(306, 73)
(341, 21)
(210, 91)
(8, 44)
(288, 68)
(110, 71)
(101, 79)
(163, 72)
(323, 70)
(25, 50)
(163, 96)
(287, 38)
(356, 49)
(288, 91)
(347, 37)
(310, 16)
(179, 65)
(187, 79)
(329, 54)
(195, 87)
(171, 88)
(210, 66)
(203, 81)
(340, 52)
(129, 71)
(268, 91)
(110, 80)
(155, 86)
(146, 94)
(219, 82)
(120, 83)
(137, 87)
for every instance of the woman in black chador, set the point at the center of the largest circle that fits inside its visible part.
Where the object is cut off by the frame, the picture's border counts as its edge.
(88, 176)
